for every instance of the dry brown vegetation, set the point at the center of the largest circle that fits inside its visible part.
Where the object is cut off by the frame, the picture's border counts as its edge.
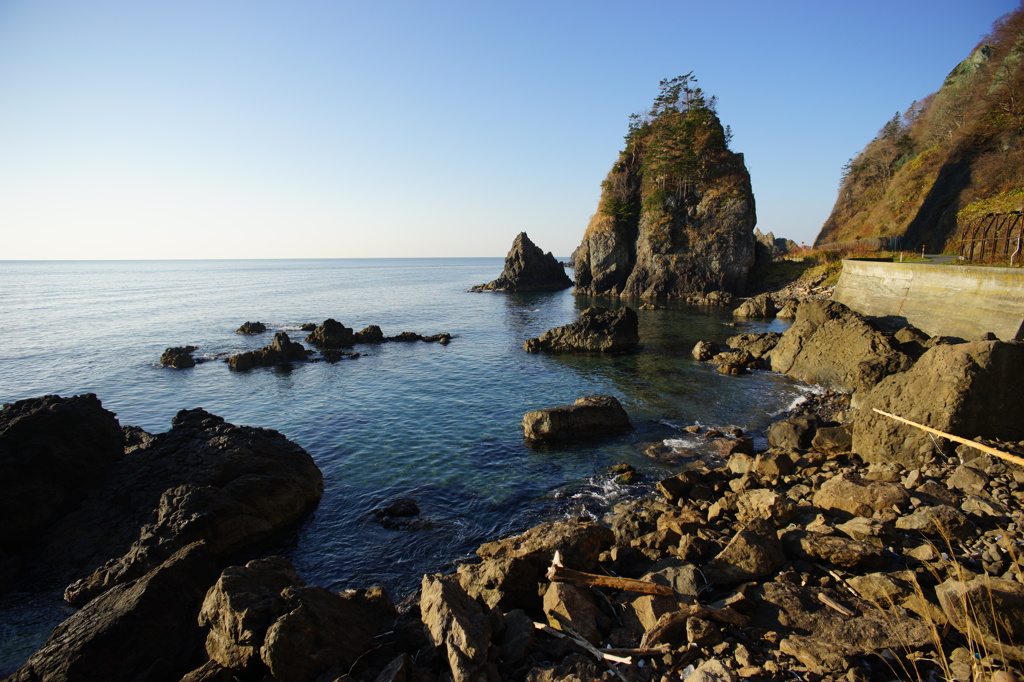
(954, 150)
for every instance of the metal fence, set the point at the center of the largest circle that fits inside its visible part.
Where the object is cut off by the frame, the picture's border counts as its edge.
(993, 237)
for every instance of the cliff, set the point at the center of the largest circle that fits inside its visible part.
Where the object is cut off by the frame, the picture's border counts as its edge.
(933, 171)
(676, 213)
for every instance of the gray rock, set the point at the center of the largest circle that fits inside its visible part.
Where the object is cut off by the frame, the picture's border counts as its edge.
(598, 330)
(761, 305)
(795, 433)
(457, 624)
(528, 268)
(833, 346)
(833, 549)
(967, 389)
(859, 496)
(941, 521)
(987, 610)
(753, 553)
(595, 415)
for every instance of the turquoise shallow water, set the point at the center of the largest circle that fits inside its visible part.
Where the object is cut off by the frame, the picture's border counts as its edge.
(437, 423)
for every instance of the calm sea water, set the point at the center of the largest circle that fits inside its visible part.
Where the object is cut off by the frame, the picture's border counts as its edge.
(440, 424)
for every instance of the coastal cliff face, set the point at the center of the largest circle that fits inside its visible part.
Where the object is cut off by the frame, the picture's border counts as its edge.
(676, 215)
(932, 172)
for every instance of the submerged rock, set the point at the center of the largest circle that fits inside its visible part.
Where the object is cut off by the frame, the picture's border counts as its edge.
(597, 330)
(527, 268)
(594, 415)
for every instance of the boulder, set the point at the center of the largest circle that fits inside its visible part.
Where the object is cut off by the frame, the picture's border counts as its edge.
(320, 631)
(764, 503)
(241, 606)
(178, 357)
(53, 451)
(457, 624)
(144, 630)
(941, 522)
(795, 433)
(512, 568)
(761, 305)
(282, 350)
(753, 553)
(332, 334)
(252, 328)
(833, 346)
(832, 549)
(967, 389)
(232, 487)
(370, 334)
(566, 604)
(595, 415)
(757, 345)
(527, 268)
(859, 496)
(705, 350)
(788, 310)
(833, 439)
(598, 330)
(987, 610)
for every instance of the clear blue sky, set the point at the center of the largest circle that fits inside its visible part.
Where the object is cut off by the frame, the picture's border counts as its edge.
(262, 129)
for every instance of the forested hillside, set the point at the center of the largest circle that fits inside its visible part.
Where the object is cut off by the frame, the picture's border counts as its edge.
(949, 159)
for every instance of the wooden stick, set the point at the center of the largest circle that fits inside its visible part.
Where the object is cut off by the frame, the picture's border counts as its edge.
(567, 575)
(978, 446)
(833, 604)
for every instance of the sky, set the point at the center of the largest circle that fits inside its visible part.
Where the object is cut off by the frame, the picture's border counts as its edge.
(342, 129)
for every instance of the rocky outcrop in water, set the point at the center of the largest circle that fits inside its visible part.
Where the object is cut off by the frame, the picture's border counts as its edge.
(598, 330)
(593, 415)
(179, 357)
(251, 328)
(332, 334)
(281, 351)
(676, 214)
(156, 516)
(528, 268)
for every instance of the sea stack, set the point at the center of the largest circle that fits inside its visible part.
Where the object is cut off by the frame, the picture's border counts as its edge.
(528, 268)
(676, 214)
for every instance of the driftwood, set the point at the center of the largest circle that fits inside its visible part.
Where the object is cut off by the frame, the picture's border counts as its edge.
(974, 444)
(558, 573)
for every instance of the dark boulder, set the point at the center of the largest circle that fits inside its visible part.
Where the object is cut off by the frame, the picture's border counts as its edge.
(252, 328)
(594, 415)
(229, 486)
(53, 450)
(371, 334)
(597, 330)
(144, 630)
(332, 334)
(527, 268)
(282, 350)
(179, 357)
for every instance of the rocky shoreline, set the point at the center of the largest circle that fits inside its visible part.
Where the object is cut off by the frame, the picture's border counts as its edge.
(818, 558)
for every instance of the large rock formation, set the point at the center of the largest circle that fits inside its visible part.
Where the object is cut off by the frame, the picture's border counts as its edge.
(831, 345)
(282, 350)
(967, 389)
(527, 268)
(151, 520)
(597, 330)
(676, 214)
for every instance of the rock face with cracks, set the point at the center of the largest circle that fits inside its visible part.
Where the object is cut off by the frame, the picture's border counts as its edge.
(528, 268)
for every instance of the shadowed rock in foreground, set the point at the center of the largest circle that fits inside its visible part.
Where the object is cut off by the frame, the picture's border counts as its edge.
(528, 268)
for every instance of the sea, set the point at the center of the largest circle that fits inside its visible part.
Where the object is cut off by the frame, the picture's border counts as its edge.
(438, 424)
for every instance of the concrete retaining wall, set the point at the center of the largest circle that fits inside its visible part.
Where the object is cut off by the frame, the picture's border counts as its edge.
(947, 300)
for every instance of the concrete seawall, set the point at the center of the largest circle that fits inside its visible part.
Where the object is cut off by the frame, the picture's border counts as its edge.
(947, 300)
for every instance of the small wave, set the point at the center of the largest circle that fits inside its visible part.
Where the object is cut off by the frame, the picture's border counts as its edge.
(681, 443)
(804, 393)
